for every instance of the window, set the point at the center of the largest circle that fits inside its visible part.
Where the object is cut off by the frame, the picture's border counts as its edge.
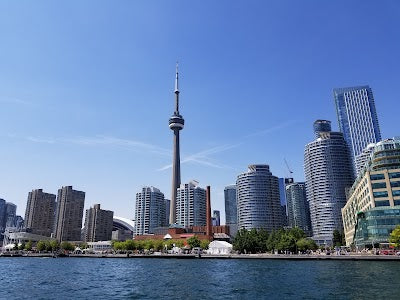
(382, 203)
(395, 183)
(394, 175)
(378, 176)
(380, 194)
(379, 185)
(396, 202)
(396, 193)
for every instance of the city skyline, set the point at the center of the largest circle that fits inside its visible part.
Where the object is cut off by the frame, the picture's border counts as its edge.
(81, 98)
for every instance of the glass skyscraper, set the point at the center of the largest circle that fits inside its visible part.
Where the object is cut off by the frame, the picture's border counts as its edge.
(258, 201)
(357, 118)
(231, 208)
(328, 173)
(298, 208)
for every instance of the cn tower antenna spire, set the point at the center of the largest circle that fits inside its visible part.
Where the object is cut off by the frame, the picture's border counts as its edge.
(176, 79)
(176, 91)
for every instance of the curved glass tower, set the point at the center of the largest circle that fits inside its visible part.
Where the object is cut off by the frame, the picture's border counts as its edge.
(258, 202)
(328, 170)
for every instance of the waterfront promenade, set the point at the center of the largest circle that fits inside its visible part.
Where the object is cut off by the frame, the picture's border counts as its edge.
(266, 256)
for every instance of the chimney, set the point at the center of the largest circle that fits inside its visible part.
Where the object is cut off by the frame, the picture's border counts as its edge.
(208, 213)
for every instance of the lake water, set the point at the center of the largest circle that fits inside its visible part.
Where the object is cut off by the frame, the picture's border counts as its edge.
(93, 278)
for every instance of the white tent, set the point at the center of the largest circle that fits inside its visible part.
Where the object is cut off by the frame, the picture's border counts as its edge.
(219, 247)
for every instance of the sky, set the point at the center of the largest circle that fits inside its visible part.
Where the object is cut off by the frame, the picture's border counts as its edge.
(86, 89)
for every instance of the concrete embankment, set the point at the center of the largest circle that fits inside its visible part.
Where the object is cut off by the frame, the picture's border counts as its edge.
(230, 256)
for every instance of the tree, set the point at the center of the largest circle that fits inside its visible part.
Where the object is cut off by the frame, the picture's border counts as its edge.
(204, 244)
(22, 246)
(130, 245)
(67, 246)
(337, 238)
(158, 245)
(193, 242)
(395, 236)
(54, 245)
(28, 246)
(41, 246)
(306, 244)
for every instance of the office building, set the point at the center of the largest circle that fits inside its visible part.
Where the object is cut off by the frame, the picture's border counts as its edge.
(11, 212)
(328, 172)
(167, 211)
(3, 217)
(98, 224)
(377, 185)
(40, 212)
(176, 123)
(191, 205)
(282, 195)
(231, 208)
(357, 118)
(69, 214)
(150, 210)
(216, 218)
(297, 205)
(258, 201)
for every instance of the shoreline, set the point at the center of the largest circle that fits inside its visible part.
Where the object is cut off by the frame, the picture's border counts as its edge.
(209, 256)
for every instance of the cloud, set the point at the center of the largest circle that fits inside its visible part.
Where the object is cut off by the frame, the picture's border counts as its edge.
(13, 100)
(101, 140)
(272, 129)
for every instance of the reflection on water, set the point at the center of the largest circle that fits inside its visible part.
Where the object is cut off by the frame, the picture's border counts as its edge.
(83, 278)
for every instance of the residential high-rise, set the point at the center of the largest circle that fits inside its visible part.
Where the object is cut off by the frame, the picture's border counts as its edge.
(11, 212)
(258, 201)
(328, 172)
(364, 157)
(98, 224)
(3, 217)
(376, 194)
(40, 212)
(69, 214)
(150, 210)
(176, 123)
(231, 208)
(297, 205)
(282, 195)
(357, 118)
(191, 205)
(216, 218)
(167, 210)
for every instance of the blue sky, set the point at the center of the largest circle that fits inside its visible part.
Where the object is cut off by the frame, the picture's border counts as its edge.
(86, 89)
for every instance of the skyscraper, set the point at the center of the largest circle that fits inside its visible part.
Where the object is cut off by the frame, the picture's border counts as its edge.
(69, 214)
(150, 210)
(357, 118)
(11, 212)
(328, 172)
(40, 212)
(176, 123)
(191, 205)
(258, 201)
(297, 205)
(3, 217)
(216, 218)
(282, 195)
(98, 224)
(231, 208)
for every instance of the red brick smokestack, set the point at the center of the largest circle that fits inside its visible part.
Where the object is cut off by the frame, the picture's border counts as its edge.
(208, 213)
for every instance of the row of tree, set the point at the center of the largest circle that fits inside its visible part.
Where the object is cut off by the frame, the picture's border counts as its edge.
(261, 241)
(48, 245)
(159, 245)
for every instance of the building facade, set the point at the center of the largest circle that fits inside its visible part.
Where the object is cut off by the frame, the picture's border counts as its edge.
(377, 185)
(191, 205)
(258, 201)
(69, 214)
(328, 171)
(216, 218)
(150, 210)
(40, 212)
(298, 208)
(231, 208)
(98, 224)
(357, 118)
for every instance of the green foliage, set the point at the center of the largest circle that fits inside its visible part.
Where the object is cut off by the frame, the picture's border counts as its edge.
(67, 246)
(306, 244)
(130, 245)
(254, 241)
(41, 246)
(193, 242)
(204, 244)
(28, 246)
(22, 246)
(395, 236)
(338, 238)
(54, 245)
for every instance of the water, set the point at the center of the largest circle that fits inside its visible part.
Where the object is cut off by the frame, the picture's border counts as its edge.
(93, 278)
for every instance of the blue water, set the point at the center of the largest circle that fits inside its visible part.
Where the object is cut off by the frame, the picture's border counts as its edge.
(93, 278)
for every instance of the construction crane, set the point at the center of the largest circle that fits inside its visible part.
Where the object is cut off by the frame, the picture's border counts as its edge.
(287, 166)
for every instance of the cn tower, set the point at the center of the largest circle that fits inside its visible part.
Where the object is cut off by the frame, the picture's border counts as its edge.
(176, 123)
